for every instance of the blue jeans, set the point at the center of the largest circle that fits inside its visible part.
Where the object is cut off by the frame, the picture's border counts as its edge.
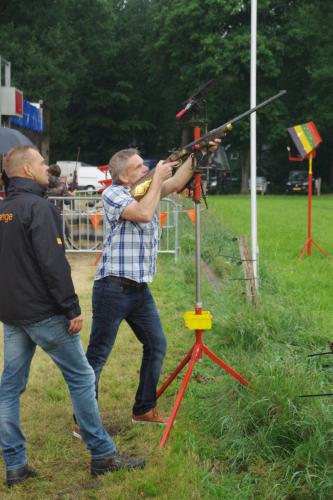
(112, 303)
(66, 351)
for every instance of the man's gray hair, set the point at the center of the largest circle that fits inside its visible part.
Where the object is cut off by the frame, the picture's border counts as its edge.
(118, 162)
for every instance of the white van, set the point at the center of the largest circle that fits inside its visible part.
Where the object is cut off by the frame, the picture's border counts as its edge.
(68, 167)
(87, 175)
(88, 178)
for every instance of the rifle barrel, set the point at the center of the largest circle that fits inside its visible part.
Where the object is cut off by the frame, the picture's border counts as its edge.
(140, 188)
(213, 134)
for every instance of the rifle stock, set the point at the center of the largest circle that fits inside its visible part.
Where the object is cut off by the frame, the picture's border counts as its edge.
(140, 188)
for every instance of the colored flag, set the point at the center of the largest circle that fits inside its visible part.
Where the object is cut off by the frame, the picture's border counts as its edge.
(305, 138)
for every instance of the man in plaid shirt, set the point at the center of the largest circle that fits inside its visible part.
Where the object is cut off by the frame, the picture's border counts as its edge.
(128, 264)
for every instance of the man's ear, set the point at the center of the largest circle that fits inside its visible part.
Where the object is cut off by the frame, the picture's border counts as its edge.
(27, 170)
(123, 179)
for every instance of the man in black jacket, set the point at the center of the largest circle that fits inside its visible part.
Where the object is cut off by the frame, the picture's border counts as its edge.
(38, 306)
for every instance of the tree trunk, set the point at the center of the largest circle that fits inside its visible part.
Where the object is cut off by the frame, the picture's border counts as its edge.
(245, 171)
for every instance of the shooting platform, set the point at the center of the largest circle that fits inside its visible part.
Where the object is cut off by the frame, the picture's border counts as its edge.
(200, 321)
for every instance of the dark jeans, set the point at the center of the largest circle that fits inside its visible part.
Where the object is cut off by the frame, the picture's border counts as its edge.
(113, 302)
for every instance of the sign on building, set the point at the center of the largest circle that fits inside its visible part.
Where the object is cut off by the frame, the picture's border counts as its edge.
(11, 101)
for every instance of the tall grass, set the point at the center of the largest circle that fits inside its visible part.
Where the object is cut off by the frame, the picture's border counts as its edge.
(277, 444)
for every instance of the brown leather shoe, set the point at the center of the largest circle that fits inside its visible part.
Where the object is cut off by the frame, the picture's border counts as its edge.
(150, 417)
(76, 432)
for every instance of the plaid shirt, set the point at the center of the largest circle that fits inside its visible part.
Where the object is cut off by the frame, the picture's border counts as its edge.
(129, 248)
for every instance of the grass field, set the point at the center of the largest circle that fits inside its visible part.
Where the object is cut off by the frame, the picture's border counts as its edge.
(228, 442)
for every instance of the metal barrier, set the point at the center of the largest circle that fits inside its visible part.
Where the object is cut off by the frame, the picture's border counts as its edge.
(84, 225)
(169, 237)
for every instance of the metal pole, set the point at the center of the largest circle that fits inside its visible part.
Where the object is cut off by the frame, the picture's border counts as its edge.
(198, 303)
(253, 154)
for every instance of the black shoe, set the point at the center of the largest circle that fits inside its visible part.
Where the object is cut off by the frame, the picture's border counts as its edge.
(115, 462)
(16, 476)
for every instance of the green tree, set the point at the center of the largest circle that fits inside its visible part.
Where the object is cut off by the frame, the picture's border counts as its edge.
(114, 73)
(46, 60)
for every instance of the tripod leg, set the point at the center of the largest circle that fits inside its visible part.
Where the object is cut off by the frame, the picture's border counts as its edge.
(174, 373)
(195, 354)
(320, 249)
(306, 246)
(224, 365)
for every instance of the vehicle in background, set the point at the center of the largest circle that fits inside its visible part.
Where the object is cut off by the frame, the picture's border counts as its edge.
(68, 167)
(150, 163)
(88, 177)
(298, 182)
(219, 181)
(261, 185)
(107, 181)
(218, 177)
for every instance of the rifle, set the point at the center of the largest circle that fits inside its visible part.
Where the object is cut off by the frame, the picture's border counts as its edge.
(74, 183)
(140, 188)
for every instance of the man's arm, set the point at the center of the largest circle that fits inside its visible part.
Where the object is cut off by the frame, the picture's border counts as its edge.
(183, 174)
(143, 210)
(50, 258)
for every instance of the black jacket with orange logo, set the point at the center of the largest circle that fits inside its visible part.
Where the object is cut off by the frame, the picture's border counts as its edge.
(35, 276)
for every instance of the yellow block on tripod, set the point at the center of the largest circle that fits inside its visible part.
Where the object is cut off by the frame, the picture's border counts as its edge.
(201, 321)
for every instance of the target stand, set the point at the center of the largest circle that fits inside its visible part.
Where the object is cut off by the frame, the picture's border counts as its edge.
(198, 321)
(305, 139)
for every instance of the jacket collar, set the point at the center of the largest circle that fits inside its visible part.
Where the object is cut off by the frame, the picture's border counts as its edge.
(23, 185)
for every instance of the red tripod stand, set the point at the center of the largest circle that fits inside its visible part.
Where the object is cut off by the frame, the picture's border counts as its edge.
(305, 139)
(199, 321)
(310, 241)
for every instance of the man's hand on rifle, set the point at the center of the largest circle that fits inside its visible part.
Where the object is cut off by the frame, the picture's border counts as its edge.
(184, 173)
(163, 171)
(214, 144)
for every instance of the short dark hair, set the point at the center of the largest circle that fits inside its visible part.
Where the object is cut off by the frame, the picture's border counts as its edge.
(55, 170)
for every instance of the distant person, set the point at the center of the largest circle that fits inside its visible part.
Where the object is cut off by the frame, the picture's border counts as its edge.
(318, 185)
(56, 186)
(39, 307)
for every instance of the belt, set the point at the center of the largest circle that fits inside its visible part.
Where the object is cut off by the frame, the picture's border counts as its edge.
(123, 281)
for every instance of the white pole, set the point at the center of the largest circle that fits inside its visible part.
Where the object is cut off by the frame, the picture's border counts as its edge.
(253, 156)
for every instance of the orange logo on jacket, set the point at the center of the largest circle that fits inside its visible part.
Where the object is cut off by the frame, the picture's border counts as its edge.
(6, 217)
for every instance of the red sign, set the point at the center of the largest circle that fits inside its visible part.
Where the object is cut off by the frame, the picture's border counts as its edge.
(18, 102)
